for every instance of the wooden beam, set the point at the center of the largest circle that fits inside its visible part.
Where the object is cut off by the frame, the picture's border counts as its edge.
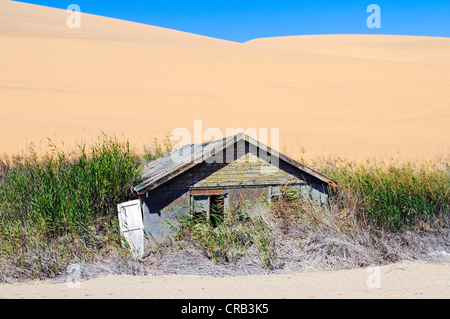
(208, 192)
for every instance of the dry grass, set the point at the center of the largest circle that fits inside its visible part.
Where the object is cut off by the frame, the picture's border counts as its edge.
(310, 237)
(303, 236)
(59, 209)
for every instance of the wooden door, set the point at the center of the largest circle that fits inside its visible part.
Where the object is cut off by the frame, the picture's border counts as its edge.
(131, 226)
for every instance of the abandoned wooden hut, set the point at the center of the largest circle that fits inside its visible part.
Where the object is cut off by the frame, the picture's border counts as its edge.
(220, 173)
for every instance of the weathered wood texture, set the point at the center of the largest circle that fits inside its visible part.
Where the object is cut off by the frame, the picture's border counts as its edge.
(131, 225)
(245, 169)
(240, 172)
(185, 158)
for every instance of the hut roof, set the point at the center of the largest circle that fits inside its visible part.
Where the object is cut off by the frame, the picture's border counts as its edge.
(172, 164)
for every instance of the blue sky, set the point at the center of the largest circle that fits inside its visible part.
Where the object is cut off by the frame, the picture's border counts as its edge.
(243, 20)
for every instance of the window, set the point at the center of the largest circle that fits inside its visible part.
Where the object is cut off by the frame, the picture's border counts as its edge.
(208, 205)
(200, 207)
(216, 209)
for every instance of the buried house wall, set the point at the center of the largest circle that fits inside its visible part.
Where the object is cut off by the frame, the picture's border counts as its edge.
(245, 178)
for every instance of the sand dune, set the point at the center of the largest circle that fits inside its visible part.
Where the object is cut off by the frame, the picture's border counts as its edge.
(404, 280)
(334, 94)
(409, 49)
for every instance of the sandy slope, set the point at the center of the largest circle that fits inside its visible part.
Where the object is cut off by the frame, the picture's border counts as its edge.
(405, 280)
(333, 94)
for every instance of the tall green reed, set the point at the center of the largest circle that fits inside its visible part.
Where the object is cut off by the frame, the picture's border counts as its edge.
(395, 195)
(59, 192)
(62, 205)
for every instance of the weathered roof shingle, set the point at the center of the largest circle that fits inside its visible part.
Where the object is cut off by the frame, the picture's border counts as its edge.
(180, 160)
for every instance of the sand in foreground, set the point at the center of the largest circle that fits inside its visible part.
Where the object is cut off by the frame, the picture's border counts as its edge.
(402, 280)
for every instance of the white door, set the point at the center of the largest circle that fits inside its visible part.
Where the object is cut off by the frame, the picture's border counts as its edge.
(131, 226)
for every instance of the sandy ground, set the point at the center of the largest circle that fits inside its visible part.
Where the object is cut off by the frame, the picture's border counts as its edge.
(345, 95)
(402, 280)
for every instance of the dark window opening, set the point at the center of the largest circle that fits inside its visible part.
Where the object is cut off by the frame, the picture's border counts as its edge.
(209, 208)
(216, 209)
(199, 216)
